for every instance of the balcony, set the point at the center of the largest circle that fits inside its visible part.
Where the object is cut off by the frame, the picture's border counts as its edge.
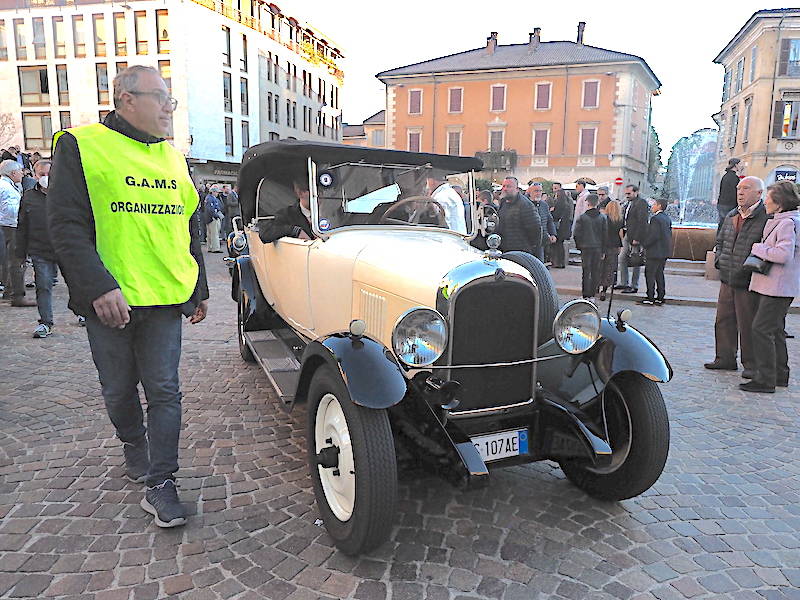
(502, 160)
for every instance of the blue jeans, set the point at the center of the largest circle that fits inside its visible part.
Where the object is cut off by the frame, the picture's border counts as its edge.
(44, 272)
(147, 350)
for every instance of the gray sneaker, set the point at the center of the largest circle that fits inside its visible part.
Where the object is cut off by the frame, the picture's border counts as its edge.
(42, 330)
(137, 460)
(162, 502)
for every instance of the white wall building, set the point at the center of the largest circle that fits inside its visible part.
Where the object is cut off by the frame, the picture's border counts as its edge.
(241, 76)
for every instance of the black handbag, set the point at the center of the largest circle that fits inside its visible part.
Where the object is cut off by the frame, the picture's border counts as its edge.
(753, 264)
(636, 256)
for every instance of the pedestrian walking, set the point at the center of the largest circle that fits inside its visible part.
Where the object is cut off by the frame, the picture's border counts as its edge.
(520, 226)
(213, 217)
(546, 219)
(590, 236)
(775, 289)
(613, 242)
(635, 223)
(13, 269)
(726, 201)
(658, 248)
(33, 239)
(562, 218)
(736, 304)
(126, 248)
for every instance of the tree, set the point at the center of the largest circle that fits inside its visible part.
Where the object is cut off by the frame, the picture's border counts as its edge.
(654, 160)
(7, 129)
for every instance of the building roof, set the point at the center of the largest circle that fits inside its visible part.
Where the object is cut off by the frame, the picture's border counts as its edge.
(770, 13)
(514, 56)
(379, 118)
(349, 131)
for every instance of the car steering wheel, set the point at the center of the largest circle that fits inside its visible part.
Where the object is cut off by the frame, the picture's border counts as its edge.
(423, 204)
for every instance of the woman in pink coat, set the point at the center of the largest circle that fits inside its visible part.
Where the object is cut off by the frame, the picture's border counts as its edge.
(775, 291)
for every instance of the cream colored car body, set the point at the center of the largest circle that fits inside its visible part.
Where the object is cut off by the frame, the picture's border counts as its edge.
(374, 274)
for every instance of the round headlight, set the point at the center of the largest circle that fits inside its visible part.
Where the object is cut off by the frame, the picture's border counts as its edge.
(420, 337)
(577, 326)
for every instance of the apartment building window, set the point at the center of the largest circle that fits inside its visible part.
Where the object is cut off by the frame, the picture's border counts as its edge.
(228, 136)
(38, 130)
(734, 128)
(120, 35)
(540, 139)
(269, 66)
(269, 106)
(739, 75)
(33, 86)
(789, 60)
(587, 141)
(294, 78)
(378, 138)
(305, 118)
(165, 70)
(288, 113)
(244, 53)
(786, 123)
(276, 101)
(542, 101)
(65, 118)
(273, 136)
(591, 94)
(288, 75)
(305, 82)
(227, 93)
(726, 85)
(59, 38)
(414, 102)
(162, 31)
(497, 98)
(456, 100)
(748, 107)
(39, 50)
(496, 140)
(102, 114)
(294, 114)
(276, 67)
(3, 47)
(99, 29)
(414, 141)
(244, 96)
(753, 57)
(453, 143)
(722, 131)
(140, 31)
(319, 122)
(20, 40)
(121, 66)
(63, 84)
(245, 136)
(102, 83)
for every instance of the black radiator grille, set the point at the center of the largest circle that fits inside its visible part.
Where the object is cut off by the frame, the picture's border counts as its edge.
(493, 322)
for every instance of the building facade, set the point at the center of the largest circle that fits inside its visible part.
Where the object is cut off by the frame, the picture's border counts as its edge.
(372, 132)
(759, 118)
(556, 110)
(241, 75)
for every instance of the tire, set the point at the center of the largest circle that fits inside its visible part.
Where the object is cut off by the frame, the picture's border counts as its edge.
(244, 349)
(358, 506)
(634, 405)
(549, 302)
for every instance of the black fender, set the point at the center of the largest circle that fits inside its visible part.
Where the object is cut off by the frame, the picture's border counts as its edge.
(256, 309)
(369, 371)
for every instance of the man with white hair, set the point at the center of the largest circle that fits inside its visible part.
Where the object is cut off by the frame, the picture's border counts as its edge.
(742, 227)
(13, 269)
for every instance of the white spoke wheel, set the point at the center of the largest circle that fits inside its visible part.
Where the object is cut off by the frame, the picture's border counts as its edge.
(638, 433)
(352, 464)
(244, 349)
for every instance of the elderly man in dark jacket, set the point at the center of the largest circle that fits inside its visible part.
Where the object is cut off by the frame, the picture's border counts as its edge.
(520, 226)
(635, 219)
(736, 305)
(590, 237)
(658, 244)
(546, 218)
(726, 201)
(562, 218)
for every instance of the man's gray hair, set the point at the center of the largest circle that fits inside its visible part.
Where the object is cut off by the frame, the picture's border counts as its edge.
(9, 166)
(757, 180)
(603, 188)
(42, 163)
(126, 80)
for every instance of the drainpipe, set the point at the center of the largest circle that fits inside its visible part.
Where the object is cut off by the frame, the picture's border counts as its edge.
(564, 127)
(772, 93)
(433, 118)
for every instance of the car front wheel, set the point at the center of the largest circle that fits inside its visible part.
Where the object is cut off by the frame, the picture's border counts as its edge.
(352, 463)
(633, 418)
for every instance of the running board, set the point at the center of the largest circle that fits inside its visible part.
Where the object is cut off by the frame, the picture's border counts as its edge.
(278, 361)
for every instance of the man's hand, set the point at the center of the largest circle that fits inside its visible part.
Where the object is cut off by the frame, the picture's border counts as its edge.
(199, 313)
(552, 239)
(303, 235)
(112, 309)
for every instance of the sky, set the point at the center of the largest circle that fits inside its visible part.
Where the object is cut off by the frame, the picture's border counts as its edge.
(679, 40)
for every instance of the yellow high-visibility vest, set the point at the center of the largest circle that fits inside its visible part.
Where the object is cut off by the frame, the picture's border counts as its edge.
(142, 199)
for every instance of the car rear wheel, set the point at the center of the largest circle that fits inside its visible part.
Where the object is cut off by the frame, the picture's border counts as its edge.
(549, 302)
(633, 411)
(352, 463)
(244, 349)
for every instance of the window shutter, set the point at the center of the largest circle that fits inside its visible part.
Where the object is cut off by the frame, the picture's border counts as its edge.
(455, 100)
(783, 61)
(777, 120)
(498, 97)
(590, 94)
(543, 96)
(587, 142)
(540, 142)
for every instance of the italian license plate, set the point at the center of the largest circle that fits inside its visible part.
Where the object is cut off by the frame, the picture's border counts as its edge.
(502, 445)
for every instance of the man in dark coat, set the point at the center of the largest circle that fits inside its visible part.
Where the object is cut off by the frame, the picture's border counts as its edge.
(291, 221)
(658, 244)
(520, 226)
(726, 201)
(562, 218)
(548, 226)
(635, 223)
(736, 305)
(590, 237)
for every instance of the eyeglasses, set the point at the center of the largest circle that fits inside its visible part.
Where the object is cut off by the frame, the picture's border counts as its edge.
(160, 97)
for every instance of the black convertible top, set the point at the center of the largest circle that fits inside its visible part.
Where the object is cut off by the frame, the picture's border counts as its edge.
(280, 159)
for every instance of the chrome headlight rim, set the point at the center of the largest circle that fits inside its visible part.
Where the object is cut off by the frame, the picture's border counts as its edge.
(395, 337)
(569, 307)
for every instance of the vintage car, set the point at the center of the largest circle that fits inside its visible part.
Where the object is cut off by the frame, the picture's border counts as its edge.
(398, 335)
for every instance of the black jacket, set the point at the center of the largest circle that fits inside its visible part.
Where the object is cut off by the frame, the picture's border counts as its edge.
(33, 235)
(519, 226)
(546, 218)
(612, 233)
(590, 230)
(288, 222)
(636, 219)
(732, 249)
(727, 189)
(658, 242)
(563, 215)
(72, 230)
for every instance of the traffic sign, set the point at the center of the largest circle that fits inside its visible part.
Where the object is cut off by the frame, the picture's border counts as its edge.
(618, 181)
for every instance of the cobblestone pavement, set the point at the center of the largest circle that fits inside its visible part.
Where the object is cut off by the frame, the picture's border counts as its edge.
(722, 522)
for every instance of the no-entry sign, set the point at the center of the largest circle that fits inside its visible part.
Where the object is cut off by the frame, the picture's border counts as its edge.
(618, 181)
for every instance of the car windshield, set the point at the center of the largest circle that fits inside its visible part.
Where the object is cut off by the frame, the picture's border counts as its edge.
(378, 195)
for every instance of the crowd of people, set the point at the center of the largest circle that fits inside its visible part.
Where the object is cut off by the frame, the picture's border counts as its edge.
(219, 205)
